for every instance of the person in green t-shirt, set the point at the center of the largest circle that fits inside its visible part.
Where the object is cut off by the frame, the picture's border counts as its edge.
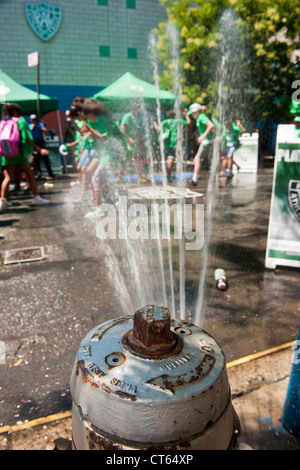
(74, 114)
(93, 134)
(108, 145)
(20, 161)
(205, 138)
(172, 128)
(129, 127)
(231, 136)
(66, 149)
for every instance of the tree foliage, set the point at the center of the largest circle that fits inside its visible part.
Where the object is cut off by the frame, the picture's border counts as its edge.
(263, 45)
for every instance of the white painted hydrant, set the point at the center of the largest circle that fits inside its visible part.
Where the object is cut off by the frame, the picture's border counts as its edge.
(148, 382)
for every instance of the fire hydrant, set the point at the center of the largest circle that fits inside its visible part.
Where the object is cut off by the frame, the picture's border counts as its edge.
(146, 381)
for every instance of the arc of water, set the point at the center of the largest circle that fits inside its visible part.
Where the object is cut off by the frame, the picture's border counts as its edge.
(173, 34)
(163, 164)
(227, 70)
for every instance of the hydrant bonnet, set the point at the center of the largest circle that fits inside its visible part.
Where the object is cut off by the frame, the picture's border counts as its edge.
(147, 381)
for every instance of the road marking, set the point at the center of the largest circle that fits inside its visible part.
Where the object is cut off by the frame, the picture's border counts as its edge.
(35, 422)
(267, 352)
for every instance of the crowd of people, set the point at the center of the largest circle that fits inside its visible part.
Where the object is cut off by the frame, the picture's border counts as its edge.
(101, 147)
(200, 136)
(15, 163)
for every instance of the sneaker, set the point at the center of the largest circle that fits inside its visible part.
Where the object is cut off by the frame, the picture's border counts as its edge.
(93, 214)
(38, 200)
(171, 179)
(192, 182)
(227, 173)
(4, 203)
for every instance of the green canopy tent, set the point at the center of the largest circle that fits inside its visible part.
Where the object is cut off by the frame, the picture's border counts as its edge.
(11, 91)
(129, 88)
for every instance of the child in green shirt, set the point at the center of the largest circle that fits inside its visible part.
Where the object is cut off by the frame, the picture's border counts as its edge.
(231, 137)
(129, 127)
(171, 130)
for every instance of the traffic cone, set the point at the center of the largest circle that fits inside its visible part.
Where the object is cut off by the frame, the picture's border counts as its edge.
(291, 410)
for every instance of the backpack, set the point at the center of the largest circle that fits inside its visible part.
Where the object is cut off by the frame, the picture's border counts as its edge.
(10, 144)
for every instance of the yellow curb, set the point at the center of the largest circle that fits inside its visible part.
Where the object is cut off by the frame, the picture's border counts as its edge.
(35, 422)
(267, 352)
(68, 414)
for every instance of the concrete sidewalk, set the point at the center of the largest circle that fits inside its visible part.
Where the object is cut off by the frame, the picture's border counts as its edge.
(258, 386)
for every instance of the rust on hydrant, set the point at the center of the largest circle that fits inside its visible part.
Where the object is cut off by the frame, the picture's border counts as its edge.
(151, 326)
(151, 334)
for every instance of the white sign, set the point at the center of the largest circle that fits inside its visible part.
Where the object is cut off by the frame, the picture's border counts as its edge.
(246, 156)
(33, 59)
(283, 243)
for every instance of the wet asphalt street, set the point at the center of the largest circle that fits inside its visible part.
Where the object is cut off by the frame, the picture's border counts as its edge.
(48, 306)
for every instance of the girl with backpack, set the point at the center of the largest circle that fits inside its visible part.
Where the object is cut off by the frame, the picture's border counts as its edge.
(14, 149)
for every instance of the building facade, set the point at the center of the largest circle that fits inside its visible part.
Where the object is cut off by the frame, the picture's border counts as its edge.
(83, 46)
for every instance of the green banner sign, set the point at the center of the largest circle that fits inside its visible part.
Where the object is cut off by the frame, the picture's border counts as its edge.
(283, 245)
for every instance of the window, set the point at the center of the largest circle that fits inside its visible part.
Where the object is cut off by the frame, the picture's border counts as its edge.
(130, 4)
(132, 53)
(104, 3)
(104, 51)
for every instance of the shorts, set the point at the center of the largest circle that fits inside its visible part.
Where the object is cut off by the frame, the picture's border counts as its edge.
(230, 149)
(170, 152)
(87, 156)
(205, 149)
(18, 160)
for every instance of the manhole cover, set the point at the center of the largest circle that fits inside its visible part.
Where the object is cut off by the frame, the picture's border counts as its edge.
(24, 255)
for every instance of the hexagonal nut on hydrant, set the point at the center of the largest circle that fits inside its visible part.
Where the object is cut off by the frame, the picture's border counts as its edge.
(151, 326)
(151, 333)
